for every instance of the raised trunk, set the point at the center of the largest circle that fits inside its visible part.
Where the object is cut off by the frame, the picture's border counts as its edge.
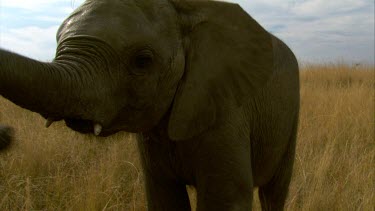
(46, 88)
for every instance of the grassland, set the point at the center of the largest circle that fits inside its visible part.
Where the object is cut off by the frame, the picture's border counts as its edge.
(57, 169)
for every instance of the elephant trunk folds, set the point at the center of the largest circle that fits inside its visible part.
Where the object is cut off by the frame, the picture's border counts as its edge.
(51, 89)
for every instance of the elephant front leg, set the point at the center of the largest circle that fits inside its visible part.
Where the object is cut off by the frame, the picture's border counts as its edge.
(223, 192)
(224, 180)
(164, 191)
(163, 195)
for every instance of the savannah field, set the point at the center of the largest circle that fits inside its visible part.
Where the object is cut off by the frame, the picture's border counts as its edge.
(58, 169)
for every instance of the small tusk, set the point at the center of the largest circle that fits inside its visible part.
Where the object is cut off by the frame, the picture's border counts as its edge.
(97, 129)
(49, 122)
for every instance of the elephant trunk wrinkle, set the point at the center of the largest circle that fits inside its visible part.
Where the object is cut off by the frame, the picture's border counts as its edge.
(31, 84)
(52, 89)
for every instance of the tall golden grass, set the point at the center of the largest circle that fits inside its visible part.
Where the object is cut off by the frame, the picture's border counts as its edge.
(57, 169)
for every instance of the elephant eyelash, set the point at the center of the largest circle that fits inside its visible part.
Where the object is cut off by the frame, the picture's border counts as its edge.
(144, 59)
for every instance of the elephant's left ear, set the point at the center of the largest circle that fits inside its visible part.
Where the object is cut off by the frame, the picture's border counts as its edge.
(229, 58)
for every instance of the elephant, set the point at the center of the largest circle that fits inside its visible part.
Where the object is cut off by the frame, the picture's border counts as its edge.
(212, 95)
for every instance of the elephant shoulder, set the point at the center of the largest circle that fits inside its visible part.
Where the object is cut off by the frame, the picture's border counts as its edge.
(284, 58)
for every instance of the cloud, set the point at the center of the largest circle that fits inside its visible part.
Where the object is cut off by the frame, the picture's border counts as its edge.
(316, 30)
(51, 19)
(324, 7)
(320, 30)
(36, 5)
(29, 27)
(33, 42)
(29, 5)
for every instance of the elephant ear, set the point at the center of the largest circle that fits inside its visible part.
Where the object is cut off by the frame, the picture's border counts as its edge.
(229, 58)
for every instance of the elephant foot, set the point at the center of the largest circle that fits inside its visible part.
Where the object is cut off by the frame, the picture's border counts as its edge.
(6, 136)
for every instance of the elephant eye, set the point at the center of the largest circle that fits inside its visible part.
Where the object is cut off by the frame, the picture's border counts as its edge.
(144, 59)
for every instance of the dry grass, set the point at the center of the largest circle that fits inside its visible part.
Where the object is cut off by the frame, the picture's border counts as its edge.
(57, 169)
(334, 168)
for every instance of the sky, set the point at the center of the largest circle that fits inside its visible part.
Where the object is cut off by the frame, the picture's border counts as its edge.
(318, 31)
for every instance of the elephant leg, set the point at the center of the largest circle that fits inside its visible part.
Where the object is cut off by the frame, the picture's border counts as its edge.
(224, 178)
(164, 191)
(166, 195)
(273, 195)
(229, 194)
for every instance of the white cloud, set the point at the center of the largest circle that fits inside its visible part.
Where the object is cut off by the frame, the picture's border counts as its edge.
(51, 19)
(324, 7)
(36, 5)
(34, 42)
(315, 29)
(29, 5)
(31, 26)
(281, 4)
(320, 30)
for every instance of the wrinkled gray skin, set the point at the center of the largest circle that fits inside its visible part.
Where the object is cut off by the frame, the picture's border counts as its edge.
(212, 95)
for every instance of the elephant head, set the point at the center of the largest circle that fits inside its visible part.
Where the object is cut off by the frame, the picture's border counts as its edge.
(127, 64)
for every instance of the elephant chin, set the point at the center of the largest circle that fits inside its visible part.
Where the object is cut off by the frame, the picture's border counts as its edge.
(121, 123)
(88, 127)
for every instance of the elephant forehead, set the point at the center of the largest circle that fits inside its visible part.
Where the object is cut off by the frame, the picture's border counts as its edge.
(117, 22)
